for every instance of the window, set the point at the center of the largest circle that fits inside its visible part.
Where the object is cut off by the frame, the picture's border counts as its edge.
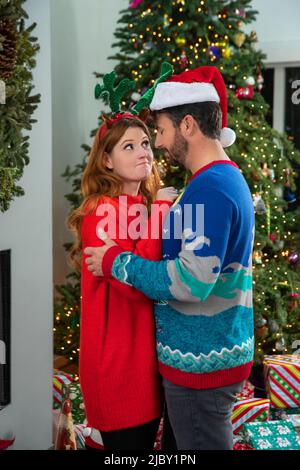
(268, 92)
(292, 110)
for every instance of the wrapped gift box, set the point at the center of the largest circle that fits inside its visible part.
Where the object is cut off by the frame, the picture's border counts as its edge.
(59, 379)
(251, 409)
(282, 376)
(295, 420)
(272, 435)
(247, 391)
(277, 413)
(289, 414)
(73, 392)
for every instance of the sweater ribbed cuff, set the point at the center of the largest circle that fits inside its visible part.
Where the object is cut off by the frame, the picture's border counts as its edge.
(109, 258)
(160, 201)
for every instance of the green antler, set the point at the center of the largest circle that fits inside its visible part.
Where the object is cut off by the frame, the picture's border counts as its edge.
(145, 100)
(115, 94)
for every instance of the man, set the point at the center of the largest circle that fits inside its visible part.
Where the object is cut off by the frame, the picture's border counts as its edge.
(203, 286)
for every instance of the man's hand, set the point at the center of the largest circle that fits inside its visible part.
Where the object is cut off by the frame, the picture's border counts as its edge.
(94, 261)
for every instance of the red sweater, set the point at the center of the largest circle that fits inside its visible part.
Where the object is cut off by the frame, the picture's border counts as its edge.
(118, 364)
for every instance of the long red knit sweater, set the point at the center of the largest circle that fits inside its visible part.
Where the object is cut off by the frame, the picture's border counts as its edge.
(118, 365)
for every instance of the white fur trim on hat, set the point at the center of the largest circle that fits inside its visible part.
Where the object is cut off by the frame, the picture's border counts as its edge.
(168, 94)
(227, 137)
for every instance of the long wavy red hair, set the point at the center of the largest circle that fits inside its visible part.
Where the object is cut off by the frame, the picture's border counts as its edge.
(98, 180)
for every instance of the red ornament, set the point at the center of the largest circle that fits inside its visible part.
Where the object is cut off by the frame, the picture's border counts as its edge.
(183, 61)
(135, 4)
(4, 444)
(245, 93)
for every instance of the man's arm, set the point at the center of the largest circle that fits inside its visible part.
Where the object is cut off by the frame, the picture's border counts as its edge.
(192, 276)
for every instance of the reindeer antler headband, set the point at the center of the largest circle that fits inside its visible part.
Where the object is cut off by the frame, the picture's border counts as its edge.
(116, 93)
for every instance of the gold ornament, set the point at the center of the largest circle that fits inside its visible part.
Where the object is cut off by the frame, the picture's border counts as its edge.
(239, 39)
(257, 257)
(180, 42)
(262, 332)
(226, 53)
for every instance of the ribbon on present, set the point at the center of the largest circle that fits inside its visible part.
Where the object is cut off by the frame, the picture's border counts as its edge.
(282, 376)
(60, 379)
(251, 409)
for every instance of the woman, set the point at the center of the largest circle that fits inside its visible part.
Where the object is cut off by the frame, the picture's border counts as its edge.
(118, 365)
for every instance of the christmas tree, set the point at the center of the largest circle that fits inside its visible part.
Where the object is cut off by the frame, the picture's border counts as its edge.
(18, 49)
(189, 34)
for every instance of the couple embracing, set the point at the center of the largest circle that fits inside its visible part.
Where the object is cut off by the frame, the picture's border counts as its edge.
(167, 320)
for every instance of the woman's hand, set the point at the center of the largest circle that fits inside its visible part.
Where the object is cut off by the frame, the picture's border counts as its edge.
(167, 194)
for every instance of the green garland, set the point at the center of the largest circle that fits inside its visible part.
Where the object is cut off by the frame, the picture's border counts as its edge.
(17, 58)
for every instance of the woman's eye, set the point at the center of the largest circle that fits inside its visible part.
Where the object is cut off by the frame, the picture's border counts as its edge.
(128, 146)
(146, 143)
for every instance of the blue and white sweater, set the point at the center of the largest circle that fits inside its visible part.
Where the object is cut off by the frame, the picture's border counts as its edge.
(203, 285)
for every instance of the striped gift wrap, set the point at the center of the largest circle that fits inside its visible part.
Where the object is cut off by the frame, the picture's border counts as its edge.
(282, 376)
(251, 409)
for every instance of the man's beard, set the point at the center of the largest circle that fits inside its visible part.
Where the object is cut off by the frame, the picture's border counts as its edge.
(179, 149)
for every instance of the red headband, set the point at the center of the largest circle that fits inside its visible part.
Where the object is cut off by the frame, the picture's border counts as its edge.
(103, 128)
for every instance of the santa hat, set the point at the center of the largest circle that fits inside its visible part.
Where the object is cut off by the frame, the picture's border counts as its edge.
(195, 86)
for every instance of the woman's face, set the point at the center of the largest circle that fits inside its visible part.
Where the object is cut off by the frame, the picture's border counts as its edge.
(132, 157)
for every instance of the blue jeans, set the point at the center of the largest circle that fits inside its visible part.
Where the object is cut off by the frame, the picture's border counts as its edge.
(201, 419)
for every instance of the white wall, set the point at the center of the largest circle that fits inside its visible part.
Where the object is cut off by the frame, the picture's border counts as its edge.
(82, 34)
(26, 229)
(277, 28)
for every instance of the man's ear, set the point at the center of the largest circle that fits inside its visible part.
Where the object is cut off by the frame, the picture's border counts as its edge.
(108, 161)
(187, 125)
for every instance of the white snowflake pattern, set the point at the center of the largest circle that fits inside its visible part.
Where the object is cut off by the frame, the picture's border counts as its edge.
(264, 444)
(265, 431)
(283, 442)
(283, 430)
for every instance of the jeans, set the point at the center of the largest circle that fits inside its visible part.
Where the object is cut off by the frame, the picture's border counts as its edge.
(137, 438)
(201, 419)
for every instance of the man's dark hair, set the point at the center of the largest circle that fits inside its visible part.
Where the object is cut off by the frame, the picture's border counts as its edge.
(208, 116)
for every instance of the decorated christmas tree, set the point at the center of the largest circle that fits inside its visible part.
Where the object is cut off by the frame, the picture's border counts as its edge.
(189, 34)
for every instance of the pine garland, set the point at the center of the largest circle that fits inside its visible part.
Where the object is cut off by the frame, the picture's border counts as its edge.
(17, 59)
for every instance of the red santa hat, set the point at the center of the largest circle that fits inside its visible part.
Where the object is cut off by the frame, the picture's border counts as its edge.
(195, 86)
